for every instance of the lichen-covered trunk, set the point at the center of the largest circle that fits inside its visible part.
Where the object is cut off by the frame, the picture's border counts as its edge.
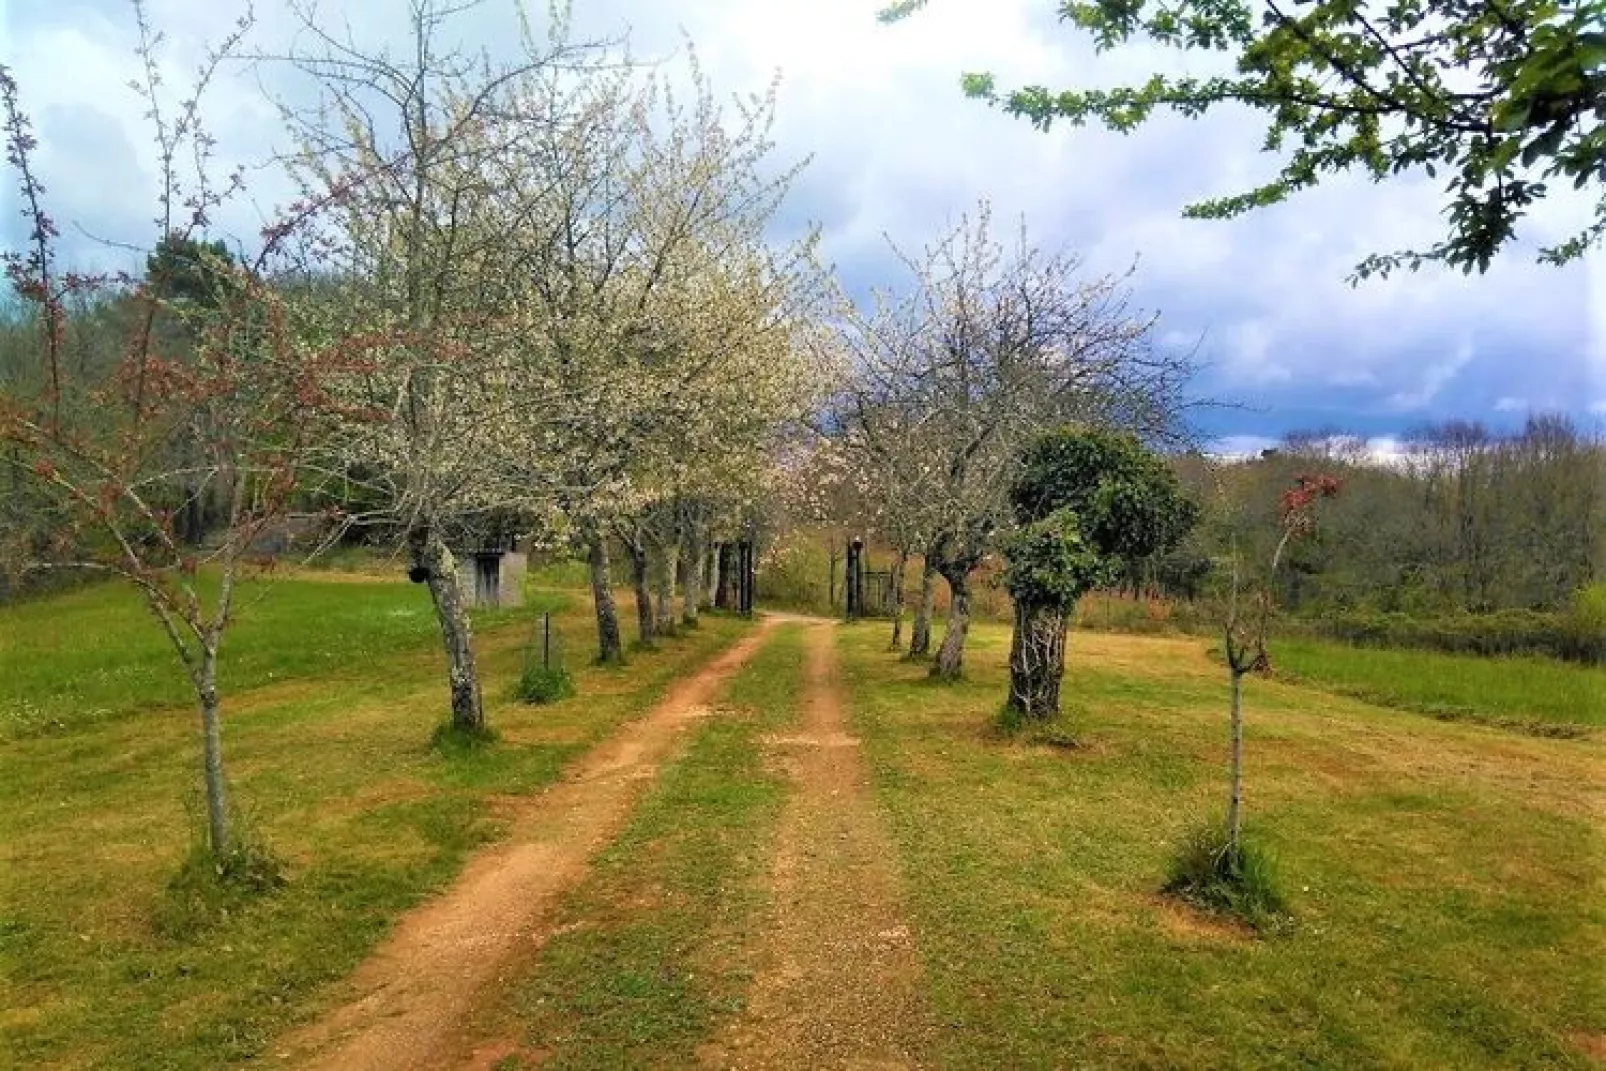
(920, 631)
(1037, 660)
(462, 673)
(645, 630)
(1235, 806)
(950, 663)
(664, 600)
(899, 564)
(610, 645)
(709, 566)
(722, 583)
(690, 584)
(217, 810)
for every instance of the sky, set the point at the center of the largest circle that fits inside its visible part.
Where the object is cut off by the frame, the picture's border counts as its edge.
(896, 153)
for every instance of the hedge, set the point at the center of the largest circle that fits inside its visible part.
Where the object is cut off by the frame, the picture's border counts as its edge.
(1501, 632)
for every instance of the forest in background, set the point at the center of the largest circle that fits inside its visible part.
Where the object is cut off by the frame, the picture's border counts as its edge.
(1466, 539)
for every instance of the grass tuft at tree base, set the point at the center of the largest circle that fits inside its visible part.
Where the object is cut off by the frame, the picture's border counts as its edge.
(452, 740)
(207, 889)
(544, 684)
(1207, 875)
(1010, 724)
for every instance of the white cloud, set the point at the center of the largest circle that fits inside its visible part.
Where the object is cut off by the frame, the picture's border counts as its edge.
(1240, 446)
(896, 149)
(1437, 376)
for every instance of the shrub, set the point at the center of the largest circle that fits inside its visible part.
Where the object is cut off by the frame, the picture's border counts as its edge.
(1575, 635)
(1586, 622)
(544, 684)
(1204, 873)
(1112, 611)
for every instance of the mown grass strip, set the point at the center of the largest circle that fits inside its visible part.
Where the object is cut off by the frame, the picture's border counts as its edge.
(648, 954)
(1442, 878)
(337, 777)
(1540, 696)
(95, 655)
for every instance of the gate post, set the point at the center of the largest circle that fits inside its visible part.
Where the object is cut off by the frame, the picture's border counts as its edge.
(745, 569)
(854, 580)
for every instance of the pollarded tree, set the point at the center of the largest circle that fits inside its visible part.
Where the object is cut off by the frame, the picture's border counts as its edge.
(1085, 501)
(991, 347)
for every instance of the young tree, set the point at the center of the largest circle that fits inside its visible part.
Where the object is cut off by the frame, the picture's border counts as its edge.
(1506, 96)
(1248, 626)
(1085, 501)
(113, 454)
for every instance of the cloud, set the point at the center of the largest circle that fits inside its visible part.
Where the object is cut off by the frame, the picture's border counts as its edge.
(1240, 446)
(1437, 376)
(897, 151)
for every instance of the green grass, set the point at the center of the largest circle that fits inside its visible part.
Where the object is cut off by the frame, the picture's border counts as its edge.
(649, 953)
(334, 772)
(96, 654)
(1444, 880)
(1538, 694)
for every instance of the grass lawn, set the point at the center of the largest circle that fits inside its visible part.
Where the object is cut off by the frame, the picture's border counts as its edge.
(651, 952)
(96, 654)
(1537, 693)
(1446, 878)
(336, 688)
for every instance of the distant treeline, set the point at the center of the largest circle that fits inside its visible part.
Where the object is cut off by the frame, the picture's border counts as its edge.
(1465, 540)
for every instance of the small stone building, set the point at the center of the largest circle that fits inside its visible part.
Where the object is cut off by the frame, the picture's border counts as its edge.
(493, 577)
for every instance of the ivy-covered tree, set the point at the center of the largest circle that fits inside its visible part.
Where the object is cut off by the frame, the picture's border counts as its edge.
(1085, 501)
(1504, 98)
(947, 382)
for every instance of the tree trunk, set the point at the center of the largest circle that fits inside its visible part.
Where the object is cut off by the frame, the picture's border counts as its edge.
(722, 587)
(1235, 806)
(709, 567)
(898, 566)
(645, 630)
(610, 647)
(690, 583)
(831, 585)
(664, 603)
(217, 811)
(430, 553)
(950, 664)
(1037, 660)
(920, 632)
